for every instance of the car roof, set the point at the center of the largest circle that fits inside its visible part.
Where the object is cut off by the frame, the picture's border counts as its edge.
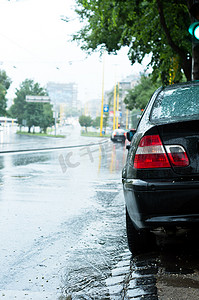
(181, 84)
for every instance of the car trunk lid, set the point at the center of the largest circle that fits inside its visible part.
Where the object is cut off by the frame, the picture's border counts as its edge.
(184, 136)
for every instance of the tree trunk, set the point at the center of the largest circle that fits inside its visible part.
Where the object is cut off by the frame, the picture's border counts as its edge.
(186, 63)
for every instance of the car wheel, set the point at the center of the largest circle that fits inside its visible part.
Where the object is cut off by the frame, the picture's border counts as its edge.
(139, 241)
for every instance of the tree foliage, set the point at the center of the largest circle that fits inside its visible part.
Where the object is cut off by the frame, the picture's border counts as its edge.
(139, 96)
(4, 86)
(96, 122)
(155, 27)
(32, 114)
(46, 118)
(85, 121)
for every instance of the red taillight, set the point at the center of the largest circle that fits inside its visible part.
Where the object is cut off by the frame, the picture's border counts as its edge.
(151, 154)
(150, 140)
(177, 155)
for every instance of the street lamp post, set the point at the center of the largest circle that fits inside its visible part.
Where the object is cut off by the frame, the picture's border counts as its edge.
(55, 117)
(114, 107)
(117, 107)
(102, 102)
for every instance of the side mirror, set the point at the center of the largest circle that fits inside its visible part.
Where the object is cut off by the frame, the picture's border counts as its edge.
(128, 147)
(130, 134)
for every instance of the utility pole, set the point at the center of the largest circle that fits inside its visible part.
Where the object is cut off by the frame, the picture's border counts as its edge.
(55, 115)
(102, 102)
(117, 106)
(114, 106)
(127, 119)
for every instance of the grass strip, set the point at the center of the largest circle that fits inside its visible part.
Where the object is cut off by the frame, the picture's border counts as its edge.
(40, 134)
(94, 134)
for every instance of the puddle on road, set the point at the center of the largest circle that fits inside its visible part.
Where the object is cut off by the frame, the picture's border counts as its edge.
(173, 273)
(178, 274)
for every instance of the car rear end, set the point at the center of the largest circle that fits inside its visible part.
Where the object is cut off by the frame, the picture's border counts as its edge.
(161, 177)
(118, 135)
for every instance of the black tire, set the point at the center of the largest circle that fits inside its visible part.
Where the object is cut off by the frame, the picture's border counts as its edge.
(139, 241)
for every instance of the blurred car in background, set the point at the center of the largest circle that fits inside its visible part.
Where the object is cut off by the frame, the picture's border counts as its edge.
(118, 135)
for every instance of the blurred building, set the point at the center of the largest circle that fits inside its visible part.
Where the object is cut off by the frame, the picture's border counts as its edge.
(125, 115)
(63, 94)
(93, 108)
(122, 115)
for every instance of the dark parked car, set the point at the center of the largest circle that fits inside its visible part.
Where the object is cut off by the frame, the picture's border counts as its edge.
(118, 135)
(161, 175)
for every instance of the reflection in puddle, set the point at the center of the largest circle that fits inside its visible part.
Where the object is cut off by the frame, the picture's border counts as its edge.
(23, 160)
(179, 268)
(1, 162)
(112, 157)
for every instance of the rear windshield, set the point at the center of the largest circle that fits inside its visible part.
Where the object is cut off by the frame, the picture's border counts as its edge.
(175, 104)
(119, 131)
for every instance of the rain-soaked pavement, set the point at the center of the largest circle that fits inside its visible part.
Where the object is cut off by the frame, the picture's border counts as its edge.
(62, 233)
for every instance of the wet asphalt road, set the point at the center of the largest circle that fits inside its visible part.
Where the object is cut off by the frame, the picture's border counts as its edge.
(61, 214)
(62, 233)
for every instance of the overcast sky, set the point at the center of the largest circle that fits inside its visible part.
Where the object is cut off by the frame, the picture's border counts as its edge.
(35, 44)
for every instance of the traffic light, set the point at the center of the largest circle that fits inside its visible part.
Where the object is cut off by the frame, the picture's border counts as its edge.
(194, 30)
(194, 27)
(194, 10)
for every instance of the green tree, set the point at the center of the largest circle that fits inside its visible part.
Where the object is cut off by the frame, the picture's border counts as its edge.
(139, 96)
(135, 117)
(47, 119)
(105, 120)
(96, 122)
(85, 121)
(4, 86)
(34, 114)
(155, 27)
